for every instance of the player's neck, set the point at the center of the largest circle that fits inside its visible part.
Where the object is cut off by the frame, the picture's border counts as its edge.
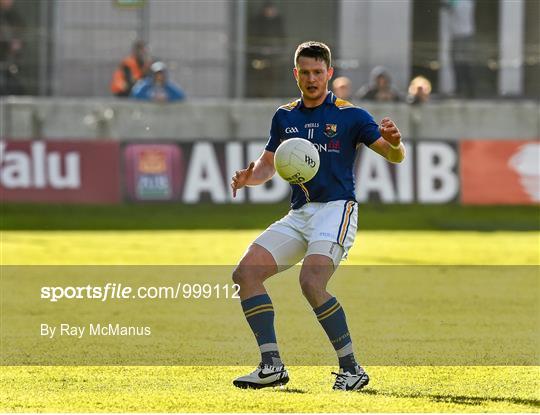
(312, 103)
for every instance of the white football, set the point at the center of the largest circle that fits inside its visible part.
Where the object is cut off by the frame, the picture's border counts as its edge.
(296, 160)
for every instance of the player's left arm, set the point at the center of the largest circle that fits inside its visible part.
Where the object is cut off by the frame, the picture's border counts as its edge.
(389, 144)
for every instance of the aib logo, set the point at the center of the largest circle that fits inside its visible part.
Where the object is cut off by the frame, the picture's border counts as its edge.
(310, 162)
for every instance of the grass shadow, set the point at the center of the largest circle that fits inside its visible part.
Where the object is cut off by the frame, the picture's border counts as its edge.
(167, 216)
(457, 399)
(290, 390)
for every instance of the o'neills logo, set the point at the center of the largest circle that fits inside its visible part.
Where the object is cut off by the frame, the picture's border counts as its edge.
(37, 168)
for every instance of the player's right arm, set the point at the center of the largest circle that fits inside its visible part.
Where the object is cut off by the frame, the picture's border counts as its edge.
(258, 172)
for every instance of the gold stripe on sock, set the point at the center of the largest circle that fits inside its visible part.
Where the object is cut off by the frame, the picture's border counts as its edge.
(257, 308)
(264, 310)
(324, 313)
(329, 314)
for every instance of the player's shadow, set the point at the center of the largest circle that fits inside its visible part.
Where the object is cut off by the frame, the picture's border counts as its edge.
(457, 399)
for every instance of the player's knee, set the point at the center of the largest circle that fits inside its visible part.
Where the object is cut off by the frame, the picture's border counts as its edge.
(256, 265)
(250, 274)
(239, 275)
(311, 287)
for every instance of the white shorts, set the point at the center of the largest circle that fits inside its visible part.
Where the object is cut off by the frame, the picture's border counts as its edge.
(316, 228)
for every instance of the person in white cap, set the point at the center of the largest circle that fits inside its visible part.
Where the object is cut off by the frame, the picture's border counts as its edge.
(157, 87)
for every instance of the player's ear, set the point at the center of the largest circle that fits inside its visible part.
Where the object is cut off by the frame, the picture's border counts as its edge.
(295, 73)
(330, 72)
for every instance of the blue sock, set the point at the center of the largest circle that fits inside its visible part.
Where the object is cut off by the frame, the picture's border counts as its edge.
(259, 313)
(332, 319)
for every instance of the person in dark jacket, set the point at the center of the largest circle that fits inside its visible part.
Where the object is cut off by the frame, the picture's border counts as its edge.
(379, 88)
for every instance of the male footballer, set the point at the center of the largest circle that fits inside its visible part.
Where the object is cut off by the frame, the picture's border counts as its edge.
(321, 226)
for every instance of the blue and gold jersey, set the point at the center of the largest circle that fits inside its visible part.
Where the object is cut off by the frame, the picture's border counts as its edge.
(336, 128)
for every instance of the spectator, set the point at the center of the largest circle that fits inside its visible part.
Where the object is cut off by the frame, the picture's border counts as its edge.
(11, 32)
(157, 87)
(419, 91)
(341, 87)
(379, 88)
(462, 29)
(133, 68)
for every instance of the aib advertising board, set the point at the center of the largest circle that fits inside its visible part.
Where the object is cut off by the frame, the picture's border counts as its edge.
(434, 171)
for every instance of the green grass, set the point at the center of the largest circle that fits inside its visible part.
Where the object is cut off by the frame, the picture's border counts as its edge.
(244, 216)
(196, 389)
(399, 315)
(192, 247)
(209, 389)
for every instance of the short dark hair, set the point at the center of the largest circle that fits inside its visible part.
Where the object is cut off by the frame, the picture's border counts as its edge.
(138, 45)
(312, 49)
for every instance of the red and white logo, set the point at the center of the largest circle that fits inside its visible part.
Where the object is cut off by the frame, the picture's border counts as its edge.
(59, 171)
(39, 168)
(526, 162)
(500, 172)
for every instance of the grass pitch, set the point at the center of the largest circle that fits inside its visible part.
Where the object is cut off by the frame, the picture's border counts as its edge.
(209, 389)
(225, 247)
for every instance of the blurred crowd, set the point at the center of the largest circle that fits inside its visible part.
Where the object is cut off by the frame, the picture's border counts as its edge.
(267, 62)
(140, 77)
(380, 89)
(137, 76)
